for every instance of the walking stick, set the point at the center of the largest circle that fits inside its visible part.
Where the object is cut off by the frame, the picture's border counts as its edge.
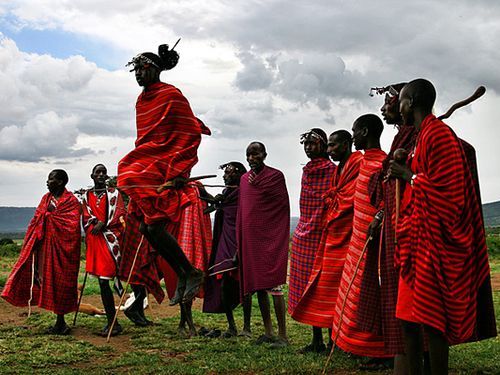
(125, 289)
(400, 156)
(32, 282)
(334, 342)
(477, 94)
(169, 184)
(80, 299)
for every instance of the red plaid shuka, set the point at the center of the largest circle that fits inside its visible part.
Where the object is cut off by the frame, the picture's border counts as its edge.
(146, 271)
(195, 236)
(168, 136)
(55, 239)
(441, 248)
(350, 337)
(316, 307)
(370, 314)
(316, 180)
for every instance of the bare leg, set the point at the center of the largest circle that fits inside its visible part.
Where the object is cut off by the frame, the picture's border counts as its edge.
(181, 329)
(109, 306)
(400, 365)
(280, 311)
(438, 351)
(189, 318)
(413, 346)
(228, 308)
(247, 314)
(135, 312)
(265, 312)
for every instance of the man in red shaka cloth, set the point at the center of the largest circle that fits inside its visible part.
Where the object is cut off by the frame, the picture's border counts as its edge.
(46, 272)
(103, 221)
(168, 136)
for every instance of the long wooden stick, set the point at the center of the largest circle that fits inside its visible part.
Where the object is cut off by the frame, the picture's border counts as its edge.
(477, 94)
(80, 299)
(32, 282)
(110, 329)
(334, 342)
(396, 214)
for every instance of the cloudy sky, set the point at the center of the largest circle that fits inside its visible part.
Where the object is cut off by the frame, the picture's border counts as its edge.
(252, 70)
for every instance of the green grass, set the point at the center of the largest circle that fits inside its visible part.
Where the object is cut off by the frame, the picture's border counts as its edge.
(25, 348)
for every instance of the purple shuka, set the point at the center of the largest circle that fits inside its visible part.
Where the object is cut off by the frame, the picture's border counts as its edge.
(263, 230)
(223, 251)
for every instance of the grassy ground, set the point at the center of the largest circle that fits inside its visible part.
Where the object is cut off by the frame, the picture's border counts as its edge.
(25, 348)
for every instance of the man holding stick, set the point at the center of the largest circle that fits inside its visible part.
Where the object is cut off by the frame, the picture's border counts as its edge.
(46, 272)
(317, 304)
(103, 221)
(444, 278)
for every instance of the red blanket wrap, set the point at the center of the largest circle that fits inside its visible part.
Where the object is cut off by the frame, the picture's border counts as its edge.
(168, 136)
(316, 180)
(55, 239)
(441, 249)
(103, 250)
(377, 303)
(350, 337)
(263, 230)
(317, 305)
(195, 236)
(147, 269)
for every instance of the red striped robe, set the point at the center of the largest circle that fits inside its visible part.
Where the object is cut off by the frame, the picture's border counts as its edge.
(55, 238)
(316, 180)
(350, 337)
(381, 315)
(441, 249)
(168, 136)
(317, 305)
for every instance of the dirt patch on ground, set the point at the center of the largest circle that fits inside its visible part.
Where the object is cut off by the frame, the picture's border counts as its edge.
(495, 281)
(15, 316)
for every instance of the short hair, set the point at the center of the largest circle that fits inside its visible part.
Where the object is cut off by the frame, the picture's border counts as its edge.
(61, 175)
(422, 92)
(98, 165)
(261, 145)
(239, 167)
(373, 123)
(343, 135)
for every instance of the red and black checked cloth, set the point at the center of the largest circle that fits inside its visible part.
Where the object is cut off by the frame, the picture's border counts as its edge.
(56, 240)
(317, 177)
(263, 230)
(317, 305)
(441, 249)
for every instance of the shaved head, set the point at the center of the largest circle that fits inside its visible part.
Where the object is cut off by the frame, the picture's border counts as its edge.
(422, 94)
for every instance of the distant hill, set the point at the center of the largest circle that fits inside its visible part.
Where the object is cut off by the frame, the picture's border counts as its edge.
(491, 212)
(16, 219)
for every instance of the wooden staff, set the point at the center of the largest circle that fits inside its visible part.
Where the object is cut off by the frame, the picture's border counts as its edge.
(110, 329)
(32, 283)
(334, 342)
(400, 156)
(170, 183)
(477, 94)
(80, 299)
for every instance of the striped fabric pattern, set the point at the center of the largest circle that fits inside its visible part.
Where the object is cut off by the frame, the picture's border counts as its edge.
(371, 315)
(316, 180)
(442, 251)
(168, 136)
(316, 307)
(350, 337)
(55, 238)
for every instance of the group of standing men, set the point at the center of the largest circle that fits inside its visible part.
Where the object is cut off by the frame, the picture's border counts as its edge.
(386, 249)
(389, 253)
